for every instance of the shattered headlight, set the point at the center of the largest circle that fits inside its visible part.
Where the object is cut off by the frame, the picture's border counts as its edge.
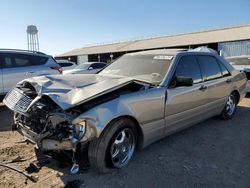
(79, 131)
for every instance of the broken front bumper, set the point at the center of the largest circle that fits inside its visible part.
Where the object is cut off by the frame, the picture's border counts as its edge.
(41, 141)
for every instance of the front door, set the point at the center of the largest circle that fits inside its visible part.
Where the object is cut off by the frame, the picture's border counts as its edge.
(218, 82)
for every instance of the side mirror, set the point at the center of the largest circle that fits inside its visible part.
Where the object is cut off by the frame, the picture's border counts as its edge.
(183, 81)
(90, 68)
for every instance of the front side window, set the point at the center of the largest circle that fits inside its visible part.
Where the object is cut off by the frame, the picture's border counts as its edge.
(7, 63)
(22, 61)
(189, 67)
(1, 62)
(211, 67)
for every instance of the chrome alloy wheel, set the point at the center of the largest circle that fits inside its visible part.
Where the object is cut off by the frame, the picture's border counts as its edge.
(231, 105)
(122, 147)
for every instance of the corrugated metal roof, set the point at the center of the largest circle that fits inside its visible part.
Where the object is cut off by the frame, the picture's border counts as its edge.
(205, 37)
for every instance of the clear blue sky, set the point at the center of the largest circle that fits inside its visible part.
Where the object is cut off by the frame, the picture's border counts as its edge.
(68, 24)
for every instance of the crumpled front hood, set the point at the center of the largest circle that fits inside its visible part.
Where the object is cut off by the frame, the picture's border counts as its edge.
(70, 90)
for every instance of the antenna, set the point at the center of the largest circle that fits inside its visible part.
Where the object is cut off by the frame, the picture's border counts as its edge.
(32, 38)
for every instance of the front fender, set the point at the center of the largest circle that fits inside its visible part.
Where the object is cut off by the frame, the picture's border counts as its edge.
(100, 116)
(146, 107)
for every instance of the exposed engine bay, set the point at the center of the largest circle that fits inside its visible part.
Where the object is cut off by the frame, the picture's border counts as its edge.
(45, 119)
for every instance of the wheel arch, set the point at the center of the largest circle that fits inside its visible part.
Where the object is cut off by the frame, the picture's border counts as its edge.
(237, 94)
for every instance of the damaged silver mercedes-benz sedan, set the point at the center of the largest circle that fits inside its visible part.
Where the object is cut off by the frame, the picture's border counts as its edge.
(138, 99)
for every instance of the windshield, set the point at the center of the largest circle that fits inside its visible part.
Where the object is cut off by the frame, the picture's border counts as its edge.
(149, 68)
(83, 66)
(240, 61)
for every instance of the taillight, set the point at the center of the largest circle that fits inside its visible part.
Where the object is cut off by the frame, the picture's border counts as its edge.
(59, 69)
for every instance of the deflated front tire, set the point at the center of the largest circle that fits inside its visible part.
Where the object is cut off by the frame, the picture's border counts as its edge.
(115, 147)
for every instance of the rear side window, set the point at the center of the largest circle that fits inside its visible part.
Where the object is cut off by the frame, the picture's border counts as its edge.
(97, 65)
(22, 60)
(38, 60)
(224, 70)
(65, 64)
(189, 67)
(211, 67)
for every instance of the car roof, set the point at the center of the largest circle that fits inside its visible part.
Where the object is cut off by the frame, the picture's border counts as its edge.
(174, 51)
(19, 51)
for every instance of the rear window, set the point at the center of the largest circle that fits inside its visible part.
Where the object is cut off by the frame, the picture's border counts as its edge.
(11, 60)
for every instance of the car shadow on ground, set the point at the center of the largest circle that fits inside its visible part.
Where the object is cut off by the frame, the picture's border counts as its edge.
(6, 118)
(212, 153)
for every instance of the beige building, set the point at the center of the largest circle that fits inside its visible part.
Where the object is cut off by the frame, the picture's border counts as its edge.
(232, 41)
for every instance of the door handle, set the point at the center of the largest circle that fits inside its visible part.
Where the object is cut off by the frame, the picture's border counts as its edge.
(203, 88)
(229, 80)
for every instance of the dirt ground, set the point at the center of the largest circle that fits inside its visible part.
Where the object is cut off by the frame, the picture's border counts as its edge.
(214, 153)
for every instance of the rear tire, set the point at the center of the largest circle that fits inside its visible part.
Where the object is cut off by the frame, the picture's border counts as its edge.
(118, 139)
(230, 107)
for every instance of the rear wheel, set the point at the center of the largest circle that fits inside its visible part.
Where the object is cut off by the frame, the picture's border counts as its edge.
(115, 147)
(230, 107)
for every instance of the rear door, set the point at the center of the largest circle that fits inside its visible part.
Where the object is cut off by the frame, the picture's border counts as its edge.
(17, 67)
(12, 72)
(38, 66)
(218, 82)
(186, 105)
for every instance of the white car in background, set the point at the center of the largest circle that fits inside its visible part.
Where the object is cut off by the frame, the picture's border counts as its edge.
(86, 68)
(241, 63)
(66, 64)
(17, 65)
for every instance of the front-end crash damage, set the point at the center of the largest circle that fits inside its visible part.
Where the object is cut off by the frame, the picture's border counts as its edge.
(48, 126)
(41, 118)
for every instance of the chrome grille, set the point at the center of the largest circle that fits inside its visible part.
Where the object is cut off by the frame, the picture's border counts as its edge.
(17, 101)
